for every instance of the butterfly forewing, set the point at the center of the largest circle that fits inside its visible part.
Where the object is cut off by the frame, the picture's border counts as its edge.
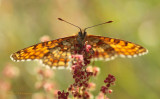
(60, 55)
(51, 53)
(120, 47)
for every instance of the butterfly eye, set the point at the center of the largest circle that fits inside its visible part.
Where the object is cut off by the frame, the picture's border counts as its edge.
(84, 33)
(80, 34)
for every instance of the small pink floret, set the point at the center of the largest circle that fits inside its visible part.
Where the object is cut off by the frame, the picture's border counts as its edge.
(110, 91)
(88, 47)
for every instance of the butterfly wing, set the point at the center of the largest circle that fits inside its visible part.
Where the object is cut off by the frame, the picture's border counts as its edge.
(117, 46)
(51, 53)
(102, 50)
(59, 56)
(56, 53)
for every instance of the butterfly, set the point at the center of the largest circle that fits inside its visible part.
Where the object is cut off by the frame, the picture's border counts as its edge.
(57, 53)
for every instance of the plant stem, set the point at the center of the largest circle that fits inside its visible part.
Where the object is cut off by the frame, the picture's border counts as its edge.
(104, 96)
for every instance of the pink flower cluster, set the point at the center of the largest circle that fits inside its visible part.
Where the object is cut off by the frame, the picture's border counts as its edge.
(81, 77)
(80, 74)
(81, 87)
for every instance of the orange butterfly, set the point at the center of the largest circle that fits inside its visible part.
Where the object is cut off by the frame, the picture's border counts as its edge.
(56, 53)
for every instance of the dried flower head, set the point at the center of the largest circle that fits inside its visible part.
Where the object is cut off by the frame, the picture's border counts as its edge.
(63, 95)
(110, 80)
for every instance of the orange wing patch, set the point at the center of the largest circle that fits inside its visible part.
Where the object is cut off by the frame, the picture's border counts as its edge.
(58, 60)
(38, 51)
(121, 47)
(101, 49)
(59, 56)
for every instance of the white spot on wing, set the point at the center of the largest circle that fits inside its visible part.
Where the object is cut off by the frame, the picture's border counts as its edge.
(123, 56)
(12, 58)
(101, 58)
(106, 59)
(129, 56)
(112, 58)
(140, 54)
(54, 68)
(95, 59)
(135, 55)
(48, 67)
(17, 60)
(61, 67)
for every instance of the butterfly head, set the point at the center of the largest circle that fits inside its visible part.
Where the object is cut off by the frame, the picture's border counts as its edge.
(82, 33)
(81, 36)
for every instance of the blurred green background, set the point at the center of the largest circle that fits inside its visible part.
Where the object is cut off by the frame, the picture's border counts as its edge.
(24, 22)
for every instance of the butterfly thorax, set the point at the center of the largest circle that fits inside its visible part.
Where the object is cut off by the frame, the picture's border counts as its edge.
(80, 42)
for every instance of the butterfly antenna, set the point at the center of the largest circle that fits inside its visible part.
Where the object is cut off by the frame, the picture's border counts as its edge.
(97, 25)
(70, 23)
